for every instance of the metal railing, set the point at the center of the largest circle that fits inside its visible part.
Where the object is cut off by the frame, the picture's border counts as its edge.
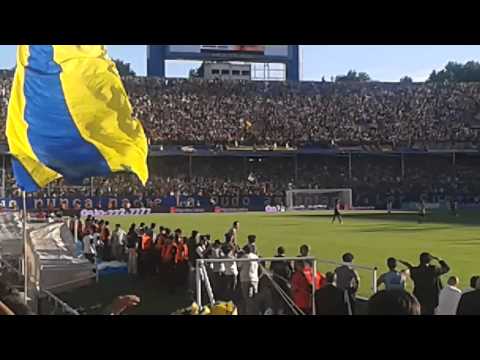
(49, 304)
(57, 306)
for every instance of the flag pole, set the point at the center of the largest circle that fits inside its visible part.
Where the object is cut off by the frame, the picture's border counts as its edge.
(25, 265)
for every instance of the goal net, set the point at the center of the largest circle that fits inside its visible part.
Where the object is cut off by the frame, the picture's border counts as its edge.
(317, 199)
(274, 291)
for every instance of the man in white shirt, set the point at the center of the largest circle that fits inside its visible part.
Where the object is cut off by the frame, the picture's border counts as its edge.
(218, 268)
(119, 238)
(231, 273)
(449, 298)
(249, 280)
(89, 246)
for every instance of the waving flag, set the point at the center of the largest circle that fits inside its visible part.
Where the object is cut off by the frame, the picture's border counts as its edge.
(69, 116)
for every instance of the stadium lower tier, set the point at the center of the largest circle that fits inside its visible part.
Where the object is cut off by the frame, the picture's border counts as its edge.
(252, 183)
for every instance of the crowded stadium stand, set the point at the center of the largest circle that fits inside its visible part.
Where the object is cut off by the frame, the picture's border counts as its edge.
(207, 136)
(219, 146)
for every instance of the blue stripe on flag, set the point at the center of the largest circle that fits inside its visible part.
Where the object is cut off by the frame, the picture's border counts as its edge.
(23, 177)
(52, 132)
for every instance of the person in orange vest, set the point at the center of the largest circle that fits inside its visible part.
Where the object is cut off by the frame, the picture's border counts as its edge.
(181, 262)
(168, 262)
(147, 242)
(147, 252)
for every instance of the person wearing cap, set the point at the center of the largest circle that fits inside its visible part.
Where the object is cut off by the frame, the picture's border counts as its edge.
(427, 282)
(470, 302)
(449, 297)
(393, 279)
(348, 280)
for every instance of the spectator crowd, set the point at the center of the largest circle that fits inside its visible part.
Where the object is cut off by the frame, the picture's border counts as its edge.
(214, 112)
(374, 179)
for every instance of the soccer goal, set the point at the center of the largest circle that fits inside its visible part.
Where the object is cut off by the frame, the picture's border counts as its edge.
(317, 199)
(204, 279)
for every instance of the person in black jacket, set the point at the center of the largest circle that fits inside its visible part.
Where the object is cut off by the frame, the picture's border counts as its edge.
(330, 300)
(427, 283)
(282, 274)
(393, 302)
(132, 242)
(470, 302)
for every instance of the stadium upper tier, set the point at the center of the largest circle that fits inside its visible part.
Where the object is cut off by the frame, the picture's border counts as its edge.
(212, 112)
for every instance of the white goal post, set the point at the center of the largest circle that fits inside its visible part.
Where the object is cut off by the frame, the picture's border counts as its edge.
(315, 199)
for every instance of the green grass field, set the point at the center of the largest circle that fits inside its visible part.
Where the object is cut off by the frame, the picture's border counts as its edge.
(371, 236)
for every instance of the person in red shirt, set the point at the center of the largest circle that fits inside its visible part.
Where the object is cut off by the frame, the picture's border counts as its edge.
(301, 288)
(168, 255)
(157, 250)
(302, 282)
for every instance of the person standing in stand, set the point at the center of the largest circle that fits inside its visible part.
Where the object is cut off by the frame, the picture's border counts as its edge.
(140, 253)
(231, 273)
(470, 302)
(449, 298)
(105, 237)
(427, 282)
(218, 269)
(89, 246)
(118, 241)
(147, 249)
(282, 274)
(249, 280)
(305, 252)
(252, 242)
(473, 282)
(168, 262)
(348, 280)
(329, 299)
(132, 243)
(393, 279)
(157, 251)
(301, 288)
(181, 262)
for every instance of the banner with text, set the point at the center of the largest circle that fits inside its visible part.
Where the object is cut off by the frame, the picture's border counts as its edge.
(161, 204)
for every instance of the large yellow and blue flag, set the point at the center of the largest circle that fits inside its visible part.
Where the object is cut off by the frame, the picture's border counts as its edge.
(69, 116)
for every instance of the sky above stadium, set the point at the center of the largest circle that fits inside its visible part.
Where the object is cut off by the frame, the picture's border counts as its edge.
(381, 62)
